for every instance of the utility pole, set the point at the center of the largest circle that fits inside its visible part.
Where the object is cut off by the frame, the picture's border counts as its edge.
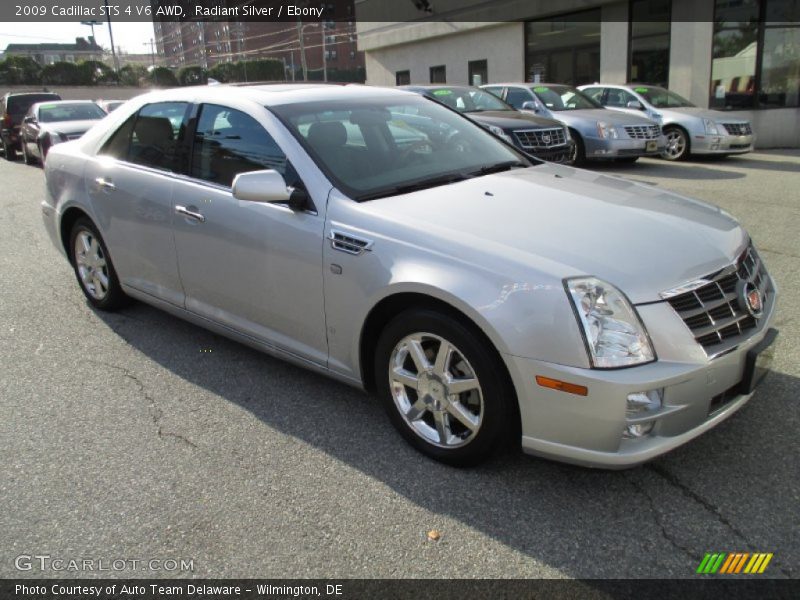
(324, 53)
(152, 45)
(293, 72)
(111, 39)
(302, 50)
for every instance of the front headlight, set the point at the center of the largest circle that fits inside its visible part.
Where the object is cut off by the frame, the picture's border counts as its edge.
(711, 127)
(614, 334)
(500, 133)
(606, 131)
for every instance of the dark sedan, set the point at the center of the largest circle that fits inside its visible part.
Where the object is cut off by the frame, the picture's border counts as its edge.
(543, 138)
(50, 123)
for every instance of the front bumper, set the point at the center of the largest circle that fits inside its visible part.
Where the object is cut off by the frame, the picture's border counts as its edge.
(722, 144)
(698, 394)
(599, 148)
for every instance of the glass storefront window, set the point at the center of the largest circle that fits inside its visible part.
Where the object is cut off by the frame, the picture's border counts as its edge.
(564, 49)
(756, 54)
(649, 39)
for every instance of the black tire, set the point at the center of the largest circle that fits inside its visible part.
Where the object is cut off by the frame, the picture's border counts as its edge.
(579, 150)
(114, 297)
(499, 420)
(682, 139)
(9, 152)
(27, 158)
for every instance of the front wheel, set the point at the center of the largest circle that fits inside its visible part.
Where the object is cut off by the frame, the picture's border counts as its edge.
(677, 144)
(93, 267)
(442, 388)
(578, 157)
(26, 157)
(9, 152)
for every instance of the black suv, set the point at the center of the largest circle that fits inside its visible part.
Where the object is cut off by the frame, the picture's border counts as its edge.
(13, 108)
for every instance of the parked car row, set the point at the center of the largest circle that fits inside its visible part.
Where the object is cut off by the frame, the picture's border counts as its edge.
(33, 122)
(488, 298)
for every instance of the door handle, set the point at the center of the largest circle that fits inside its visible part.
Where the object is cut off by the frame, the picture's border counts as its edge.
(104, 183)
(182, 210)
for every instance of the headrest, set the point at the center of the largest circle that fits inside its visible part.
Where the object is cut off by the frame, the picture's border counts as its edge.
(327, 134)
(153, 130)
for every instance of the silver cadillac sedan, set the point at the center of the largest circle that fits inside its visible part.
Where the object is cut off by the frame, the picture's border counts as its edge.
(688, 129)
(487, 298)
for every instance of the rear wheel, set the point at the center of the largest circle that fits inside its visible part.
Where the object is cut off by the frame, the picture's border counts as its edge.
(93, 267)
(677, 144)
(9, 152)
(442, 388)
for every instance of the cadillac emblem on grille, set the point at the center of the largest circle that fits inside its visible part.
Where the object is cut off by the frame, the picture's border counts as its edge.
(750, 299)
(546, 139)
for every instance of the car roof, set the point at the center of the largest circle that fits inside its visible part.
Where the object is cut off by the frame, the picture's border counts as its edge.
(273, 94)
(527, 83)
(433, 86)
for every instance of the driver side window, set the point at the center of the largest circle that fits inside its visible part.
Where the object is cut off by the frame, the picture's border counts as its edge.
(516, 97)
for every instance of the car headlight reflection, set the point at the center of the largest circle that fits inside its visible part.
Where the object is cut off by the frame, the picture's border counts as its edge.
(500, 133)
(614, 334)
(606, 131)
(710, 126)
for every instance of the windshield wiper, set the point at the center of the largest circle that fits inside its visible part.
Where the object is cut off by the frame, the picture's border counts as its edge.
(500, 167)
(415, 186)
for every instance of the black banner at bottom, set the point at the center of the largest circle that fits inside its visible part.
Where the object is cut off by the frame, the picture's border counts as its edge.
(410, 589)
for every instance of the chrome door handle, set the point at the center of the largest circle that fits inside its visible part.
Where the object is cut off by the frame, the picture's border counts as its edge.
(103, 183)
(182, 210)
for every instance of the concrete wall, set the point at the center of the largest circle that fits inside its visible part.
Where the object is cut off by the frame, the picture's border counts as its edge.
(501, 45)
(614, 43)
(82, 92)
(691, 36)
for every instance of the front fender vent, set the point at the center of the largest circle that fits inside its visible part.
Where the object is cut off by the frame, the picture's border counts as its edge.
(347, 242)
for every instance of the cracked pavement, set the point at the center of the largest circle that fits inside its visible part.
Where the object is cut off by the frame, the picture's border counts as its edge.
(123, 437)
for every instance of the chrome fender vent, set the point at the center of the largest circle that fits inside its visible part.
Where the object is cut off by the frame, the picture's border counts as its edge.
(347, 242)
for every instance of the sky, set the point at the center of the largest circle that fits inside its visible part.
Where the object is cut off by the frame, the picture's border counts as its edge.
(133, 38)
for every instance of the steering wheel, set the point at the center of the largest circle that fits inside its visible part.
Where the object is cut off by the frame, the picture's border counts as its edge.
(406, 153)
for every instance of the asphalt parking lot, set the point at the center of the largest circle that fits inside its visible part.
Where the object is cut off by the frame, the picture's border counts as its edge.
(137, 435)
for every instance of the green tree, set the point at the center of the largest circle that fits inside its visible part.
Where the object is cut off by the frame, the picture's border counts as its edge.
(94, 72)
(192, 76)
(20, 70)
(61, 73)
(163, 77)
(132, 75)
(226, 72)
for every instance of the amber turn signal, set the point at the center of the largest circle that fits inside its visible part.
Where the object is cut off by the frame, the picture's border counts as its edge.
(562, 386)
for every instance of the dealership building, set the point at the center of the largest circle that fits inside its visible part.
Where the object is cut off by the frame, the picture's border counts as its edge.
(741, 56)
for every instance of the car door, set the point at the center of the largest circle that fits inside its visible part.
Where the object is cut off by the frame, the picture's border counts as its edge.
(130, 183)
(253, 267)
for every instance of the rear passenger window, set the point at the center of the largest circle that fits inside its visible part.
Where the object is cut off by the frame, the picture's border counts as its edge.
(117, 144)
(595, 93)
(158, 135)
(229, 142)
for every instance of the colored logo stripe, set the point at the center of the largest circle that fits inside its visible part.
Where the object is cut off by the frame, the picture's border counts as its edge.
(734, 563)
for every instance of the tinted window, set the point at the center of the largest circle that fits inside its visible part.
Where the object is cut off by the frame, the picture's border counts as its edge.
(563, 97)
(158, 134)
(19, 105)
(619, 98)
(467, 99)
(515, 97)
(595, 93)
(659, 97)
(229, 142)
(84, 111)
(117, 144)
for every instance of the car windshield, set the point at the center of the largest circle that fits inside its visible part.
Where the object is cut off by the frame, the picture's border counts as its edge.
(661, 98)
(83, 111)
(563, 97)
(384, 146)
(467, 100)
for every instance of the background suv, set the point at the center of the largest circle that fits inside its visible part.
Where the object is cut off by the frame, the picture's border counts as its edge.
(13, 108)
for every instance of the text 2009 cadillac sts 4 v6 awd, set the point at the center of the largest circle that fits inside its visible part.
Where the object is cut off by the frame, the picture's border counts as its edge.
(385, 240)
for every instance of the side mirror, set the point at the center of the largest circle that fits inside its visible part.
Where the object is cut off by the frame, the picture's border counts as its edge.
(29, 120)
(530, 105)
(268, 186)
(635, 104)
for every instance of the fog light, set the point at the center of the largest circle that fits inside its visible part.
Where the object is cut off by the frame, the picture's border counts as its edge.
(638, 430)
(643, 402)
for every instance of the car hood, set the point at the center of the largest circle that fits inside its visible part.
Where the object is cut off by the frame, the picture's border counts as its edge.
(569, 222)
(612, 117)
(69, 127)
(700, 113)
(507, 119)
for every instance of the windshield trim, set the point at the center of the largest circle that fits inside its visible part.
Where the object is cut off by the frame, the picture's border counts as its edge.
(372, 194)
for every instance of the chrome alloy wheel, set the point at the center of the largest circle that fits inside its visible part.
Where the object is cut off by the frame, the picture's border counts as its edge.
(436, 390)
(91, 265)
(676, 144)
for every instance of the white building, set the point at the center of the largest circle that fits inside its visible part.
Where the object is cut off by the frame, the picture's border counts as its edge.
(737, 55)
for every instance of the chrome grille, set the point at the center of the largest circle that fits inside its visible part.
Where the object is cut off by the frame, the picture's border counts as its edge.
(738, 128)
(534, 139)
(643, 132)
(713, 312)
